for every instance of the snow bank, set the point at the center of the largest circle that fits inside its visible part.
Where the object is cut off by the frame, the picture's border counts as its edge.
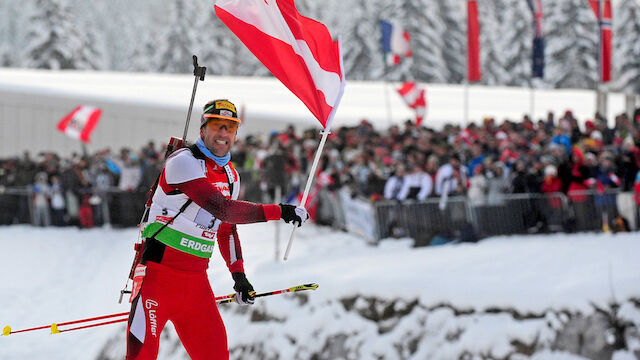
(55, 275)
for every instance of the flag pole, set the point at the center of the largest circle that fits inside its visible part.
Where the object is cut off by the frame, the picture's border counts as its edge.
(316, 158)
(466, 83)
(387, 102)
(600, 53)
(307, 187)
(532, 101)
(278, 197)
(385, 84)
(466, 103)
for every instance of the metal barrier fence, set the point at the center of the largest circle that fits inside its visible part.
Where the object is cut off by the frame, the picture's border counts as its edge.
(111, 206)
(509, 214)
(461, 218)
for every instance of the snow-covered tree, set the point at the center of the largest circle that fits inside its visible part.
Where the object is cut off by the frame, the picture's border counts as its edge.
(143, 56)
(572, 44)
(454, 37)
(492, 14)
(218, 51)
(179, 42)
(360, 35)
(626, 40)
(426, 27)
(515, 42)
(123, 26)
(57, 40)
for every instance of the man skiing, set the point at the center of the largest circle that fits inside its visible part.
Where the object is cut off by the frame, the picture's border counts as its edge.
(195, 201)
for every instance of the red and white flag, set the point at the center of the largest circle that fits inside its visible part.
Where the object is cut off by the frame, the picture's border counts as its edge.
(415, 98)
(297, 50)
(79, 123)
(604, 16)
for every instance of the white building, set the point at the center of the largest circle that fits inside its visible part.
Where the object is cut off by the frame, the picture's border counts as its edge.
(138, 107)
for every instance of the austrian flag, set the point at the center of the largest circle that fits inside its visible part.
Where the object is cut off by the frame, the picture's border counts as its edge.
(297, 50)
(414, 96)
(79, 123)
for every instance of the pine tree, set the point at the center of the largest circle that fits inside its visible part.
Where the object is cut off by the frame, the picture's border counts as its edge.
(179, 42)
(572, 44)
(56, 39)
(143, 56)
(218, 52)
(454, 53)
(626, 40)
(516, 42)
(426, 27)
(492, 14)
(360, 34)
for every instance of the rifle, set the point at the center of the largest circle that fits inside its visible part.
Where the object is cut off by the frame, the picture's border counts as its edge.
(174, 144)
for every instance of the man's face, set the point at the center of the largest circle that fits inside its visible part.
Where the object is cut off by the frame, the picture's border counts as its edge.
(219, 136)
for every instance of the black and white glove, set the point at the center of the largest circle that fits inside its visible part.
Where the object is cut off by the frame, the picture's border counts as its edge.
(296, 214)
(244, 290)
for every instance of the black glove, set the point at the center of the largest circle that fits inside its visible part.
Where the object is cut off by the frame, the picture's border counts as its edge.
(244, 290)
(295, 214)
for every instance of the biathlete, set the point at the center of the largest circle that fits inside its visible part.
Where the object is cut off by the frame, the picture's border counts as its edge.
(195, 204)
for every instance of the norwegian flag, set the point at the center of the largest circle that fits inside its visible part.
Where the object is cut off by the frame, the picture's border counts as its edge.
(79, 123)
(415, 98)
(395, 42)
(604, 15)
(473, 42)
(537, 56)
(297, 50)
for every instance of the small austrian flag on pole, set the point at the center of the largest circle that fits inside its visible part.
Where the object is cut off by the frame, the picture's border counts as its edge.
(79, 123)
(299, 51)
(414, 96)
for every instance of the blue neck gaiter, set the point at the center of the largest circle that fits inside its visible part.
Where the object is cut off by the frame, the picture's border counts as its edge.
(220, 160)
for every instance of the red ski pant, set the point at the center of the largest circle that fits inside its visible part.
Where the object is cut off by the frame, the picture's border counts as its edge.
(187, 300)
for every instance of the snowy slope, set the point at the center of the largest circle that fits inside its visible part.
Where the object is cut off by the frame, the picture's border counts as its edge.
(55, 275)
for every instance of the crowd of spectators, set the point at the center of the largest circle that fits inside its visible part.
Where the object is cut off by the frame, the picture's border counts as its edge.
(480, 161)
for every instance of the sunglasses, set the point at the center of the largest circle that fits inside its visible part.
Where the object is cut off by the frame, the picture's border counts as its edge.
(217, 124)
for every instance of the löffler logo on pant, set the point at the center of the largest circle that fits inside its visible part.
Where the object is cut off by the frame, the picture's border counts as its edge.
(153, 323)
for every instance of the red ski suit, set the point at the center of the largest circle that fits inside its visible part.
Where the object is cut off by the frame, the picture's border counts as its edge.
(176, 286)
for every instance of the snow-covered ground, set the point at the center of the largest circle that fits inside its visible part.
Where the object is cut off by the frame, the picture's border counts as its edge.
(56, 275)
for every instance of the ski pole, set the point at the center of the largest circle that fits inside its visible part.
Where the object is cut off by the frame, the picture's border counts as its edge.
(7, 329)
(225, 299)
(298, 288)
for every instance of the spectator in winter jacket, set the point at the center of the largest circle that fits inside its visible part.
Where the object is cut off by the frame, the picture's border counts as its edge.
(58, 207)
(606, 180)
(552, 185)
(395, 183)
(42, 191)
(498, 183)
(578, 176)
(478, 185)
(451, 177)
(417, 184)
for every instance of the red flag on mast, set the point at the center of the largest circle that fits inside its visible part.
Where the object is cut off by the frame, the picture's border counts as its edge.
(473, 42)
(604, 16)
(297, 50)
